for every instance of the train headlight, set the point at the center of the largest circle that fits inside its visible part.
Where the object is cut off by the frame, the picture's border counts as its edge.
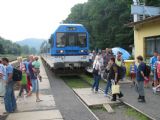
(61, 51)
(82, 51)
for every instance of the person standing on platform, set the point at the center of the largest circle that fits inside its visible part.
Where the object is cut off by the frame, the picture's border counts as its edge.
(9, 98)
(153, 61)
(34, 80)
(120, 65)
(36, 65)
(140, 76)
(96, 73)
(133, 70)
(26, 63)
(23, 83)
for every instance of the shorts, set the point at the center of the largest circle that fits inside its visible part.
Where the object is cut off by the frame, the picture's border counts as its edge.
(35, 85)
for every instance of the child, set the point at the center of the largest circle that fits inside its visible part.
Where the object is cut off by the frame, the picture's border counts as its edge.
(36, 65)
(23, 82)
(133, 70)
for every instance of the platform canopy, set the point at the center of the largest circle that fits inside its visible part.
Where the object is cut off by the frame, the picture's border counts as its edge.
(126, 55)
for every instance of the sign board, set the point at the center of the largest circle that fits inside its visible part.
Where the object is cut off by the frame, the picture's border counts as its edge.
(145, 10)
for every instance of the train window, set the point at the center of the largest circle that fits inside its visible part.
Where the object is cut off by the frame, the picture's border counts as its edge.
(71, 39)
(82, 39)
(61, 39)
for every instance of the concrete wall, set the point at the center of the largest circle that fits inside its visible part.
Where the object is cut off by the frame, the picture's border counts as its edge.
(142, 31)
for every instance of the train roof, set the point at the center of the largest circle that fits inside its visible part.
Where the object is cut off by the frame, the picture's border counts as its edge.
(71, 25)
(70, 28)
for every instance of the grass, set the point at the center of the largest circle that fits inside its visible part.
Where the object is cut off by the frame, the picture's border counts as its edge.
(98, 108)
(75, 82)
(89, 79)
(133, 113)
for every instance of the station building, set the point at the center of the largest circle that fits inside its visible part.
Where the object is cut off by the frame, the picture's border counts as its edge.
(146, 36)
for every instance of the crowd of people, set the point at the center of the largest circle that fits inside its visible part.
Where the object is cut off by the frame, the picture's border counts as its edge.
(28, 80)
(114, 69)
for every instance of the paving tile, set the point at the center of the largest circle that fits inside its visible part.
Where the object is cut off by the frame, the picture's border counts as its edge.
(29, 103)
(36, 115)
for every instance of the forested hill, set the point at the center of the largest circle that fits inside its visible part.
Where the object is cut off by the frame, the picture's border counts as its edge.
(105, 19)
(9, 47)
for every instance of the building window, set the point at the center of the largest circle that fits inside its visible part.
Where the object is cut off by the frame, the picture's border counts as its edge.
(152, 44)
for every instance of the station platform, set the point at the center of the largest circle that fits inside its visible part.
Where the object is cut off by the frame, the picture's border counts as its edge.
(93, 99)
(29, 109)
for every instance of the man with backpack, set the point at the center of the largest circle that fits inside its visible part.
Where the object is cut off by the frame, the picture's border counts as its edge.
(9, 98)
(140, 79)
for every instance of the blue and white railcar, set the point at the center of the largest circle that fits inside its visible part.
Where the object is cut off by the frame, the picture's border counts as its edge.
(69, 46)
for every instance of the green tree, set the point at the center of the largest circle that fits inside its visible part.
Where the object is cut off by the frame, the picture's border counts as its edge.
(105, 21)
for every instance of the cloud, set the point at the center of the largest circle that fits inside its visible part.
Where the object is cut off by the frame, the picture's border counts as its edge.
(22, 19)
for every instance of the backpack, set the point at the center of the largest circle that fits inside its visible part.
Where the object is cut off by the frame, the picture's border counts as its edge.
(17, 75)
(147, 70)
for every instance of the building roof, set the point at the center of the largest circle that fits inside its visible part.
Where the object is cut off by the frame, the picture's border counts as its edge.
(147, 20)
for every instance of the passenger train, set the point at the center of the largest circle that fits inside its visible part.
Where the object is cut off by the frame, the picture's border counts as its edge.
(68, 48)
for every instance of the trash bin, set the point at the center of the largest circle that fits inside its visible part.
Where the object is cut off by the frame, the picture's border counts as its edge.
(127, 64)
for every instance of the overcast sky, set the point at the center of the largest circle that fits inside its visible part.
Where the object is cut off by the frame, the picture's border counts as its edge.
(20, 19)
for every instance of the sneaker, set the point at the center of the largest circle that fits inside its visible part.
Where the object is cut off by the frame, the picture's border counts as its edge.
(113, 100)
(142, 99)
(139, 97)
(106, 95)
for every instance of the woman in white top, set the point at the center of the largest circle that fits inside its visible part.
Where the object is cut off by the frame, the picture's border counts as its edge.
(96, 73)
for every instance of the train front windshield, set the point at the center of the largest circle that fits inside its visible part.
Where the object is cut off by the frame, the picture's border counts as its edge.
(71, 39)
